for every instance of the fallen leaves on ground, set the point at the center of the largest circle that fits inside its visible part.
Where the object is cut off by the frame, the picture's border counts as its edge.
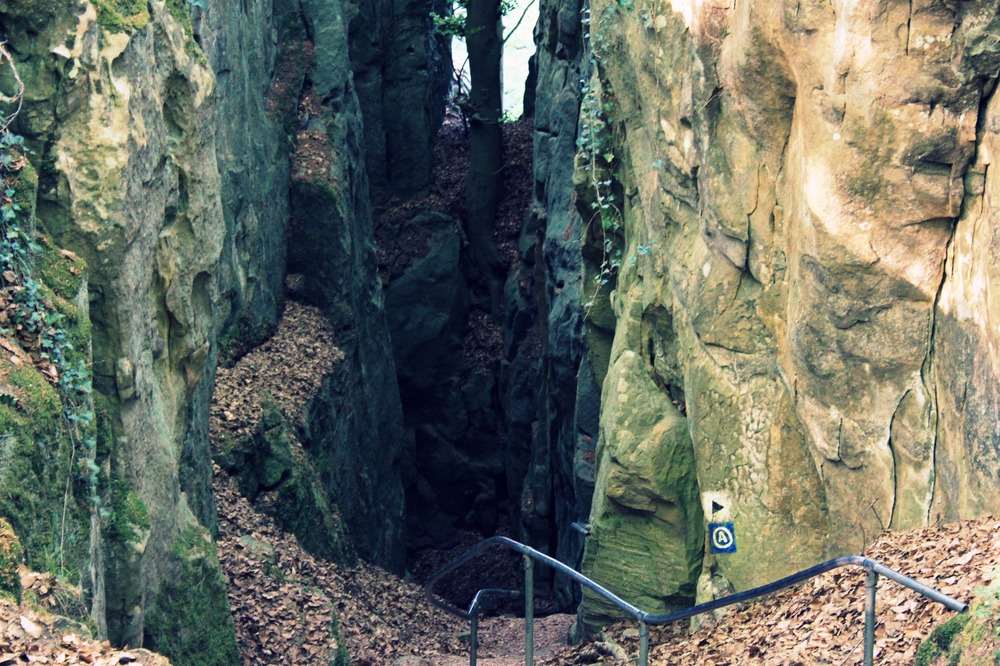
(822, 620)
(289, 367)
(284, 600)
(32, 636)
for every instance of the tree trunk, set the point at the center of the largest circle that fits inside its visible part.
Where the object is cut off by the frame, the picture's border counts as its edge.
(484, 185)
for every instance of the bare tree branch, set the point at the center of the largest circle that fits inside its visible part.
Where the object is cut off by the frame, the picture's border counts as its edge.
(18, 97)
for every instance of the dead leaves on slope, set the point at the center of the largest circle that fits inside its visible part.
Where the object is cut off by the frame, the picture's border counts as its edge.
(290, 368)
(821, 621)
(28, 637)
(284, 600)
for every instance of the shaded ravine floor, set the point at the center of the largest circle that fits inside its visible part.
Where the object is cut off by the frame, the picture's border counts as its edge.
(284, 600)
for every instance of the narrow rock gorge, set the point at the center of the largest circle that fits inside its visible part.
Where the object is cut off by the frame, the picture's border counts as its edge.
(752, 278)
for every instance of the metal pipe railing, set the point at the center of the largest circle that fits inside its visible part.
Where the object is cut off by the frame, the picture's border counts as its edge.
(874, 569)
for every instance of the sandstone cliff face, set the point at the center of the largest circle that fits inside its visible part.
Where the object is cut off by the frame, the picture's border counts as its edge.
(790, 209)
(162, 143)
(129, 181)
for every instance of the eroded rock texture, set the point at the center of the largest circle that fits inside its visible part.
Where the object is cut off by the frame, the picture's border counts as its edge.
(791, 205)
(162, 137)
(401, 73)
(130, 181)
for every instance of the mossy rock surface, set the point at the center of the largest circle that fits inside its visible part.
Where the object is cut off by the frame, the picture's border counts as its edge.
(36, 461)
(969, 639)
(191, 624)
(122, 15)
(273, 470)
(11, 554)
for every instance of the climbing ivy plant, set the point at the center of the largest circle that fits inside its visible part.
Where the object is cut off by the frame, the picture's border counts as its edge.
(453, 24)
(598, 191)
(31, 318)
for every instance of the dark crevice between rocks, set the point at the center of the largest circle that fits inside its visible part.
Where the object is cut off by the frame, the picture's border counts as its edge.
(448, 349)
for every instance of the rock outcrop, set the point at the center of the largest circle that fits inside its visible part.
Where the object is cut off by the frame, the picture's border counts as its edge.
(402, 69)
(792, 235)
(162, 134)
(551, 395)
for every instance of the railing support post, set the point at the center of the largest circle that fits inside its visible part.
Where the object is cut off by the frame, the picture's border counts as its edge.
(474, 638)
(871, 582)
(643, 644)
(529, 611)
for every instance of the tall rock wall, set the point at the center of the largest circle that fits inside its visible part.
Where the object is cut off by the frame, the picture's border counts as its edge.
(551, 395)
(128, 179)
(162, 136)
(792, 234)
(356, 433)
(402, 69)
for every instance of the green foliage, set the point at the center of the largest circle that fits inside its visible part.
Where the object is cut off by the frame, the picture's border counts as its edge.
(38, 476)
(607, 27)
(43, 476)
(601, 192)
(122, 15)
(453, 25)
(181, 11)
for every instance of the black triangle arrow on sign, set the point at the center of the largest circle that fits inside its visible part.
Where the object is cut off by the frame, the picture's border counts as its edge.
(716, 507)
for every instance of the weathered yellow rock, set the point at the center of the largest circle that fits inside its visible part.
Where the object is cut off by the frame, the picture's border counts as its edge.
(811, 185)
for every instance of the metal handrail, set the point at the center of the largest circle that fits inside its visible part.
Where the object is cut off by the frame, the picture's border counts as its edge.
(874, 569)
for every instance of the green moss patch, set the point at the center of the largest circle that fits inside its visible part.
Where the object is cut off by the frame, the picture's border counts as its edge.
(181, 11)
(122, 15)
(128, 519)
(940, 640)
(38, 476)
(191, 623)
(970, 639)
(272, 468)
(48, 479)
(11, 554)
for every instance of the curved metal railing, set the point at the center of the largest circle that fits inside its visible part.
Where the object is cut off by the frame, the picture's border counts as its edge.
(874, 569)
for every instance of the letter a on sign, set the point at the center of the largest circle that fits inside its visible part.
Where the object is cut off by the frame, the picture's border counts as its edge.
(722, 537)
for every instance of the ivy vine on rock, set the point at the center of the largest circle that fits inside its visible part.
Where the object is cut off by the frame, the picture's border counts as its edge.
(598, 191)
(37, 325)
